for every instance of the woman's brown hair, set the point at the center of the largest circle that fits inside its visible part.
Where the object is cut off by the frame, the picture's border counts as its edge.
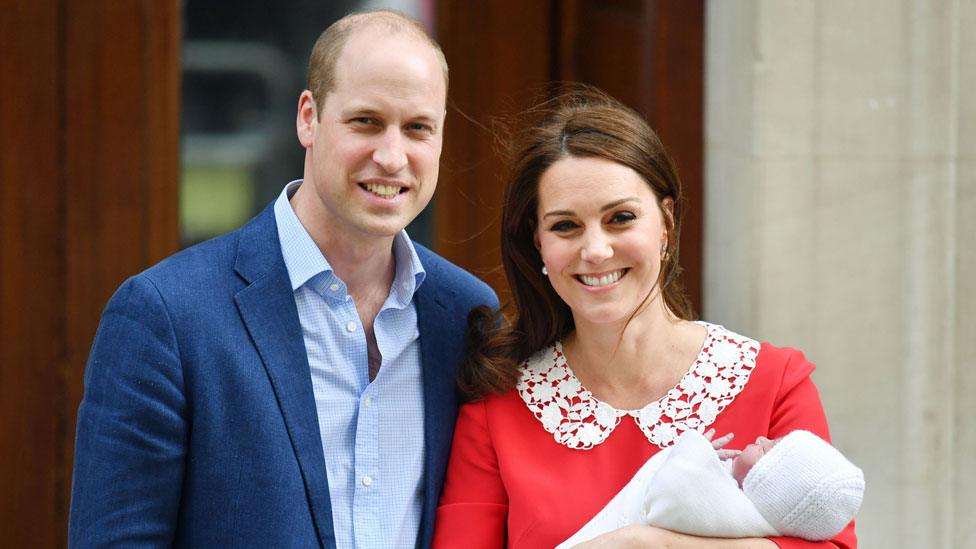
(582, 122)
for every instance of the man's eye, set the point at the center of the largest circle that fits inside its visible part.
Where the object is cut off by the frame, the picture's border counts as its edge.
(418, 127)
(621, 218)
(362, 120)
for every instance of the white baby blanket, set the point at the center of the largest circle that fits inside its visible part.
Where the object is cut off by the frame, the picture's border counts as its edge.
(685, 488)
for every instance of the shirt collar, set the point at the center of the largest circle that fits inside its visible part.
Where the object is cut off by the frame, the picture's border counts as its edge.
(305, 261)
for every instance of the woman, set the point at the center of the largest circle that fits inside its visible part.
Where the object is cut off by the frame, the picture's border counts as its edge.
(602, 366)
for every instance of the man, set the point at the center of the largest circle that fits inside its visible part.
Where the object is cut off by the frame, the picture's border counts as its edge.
(291, 384)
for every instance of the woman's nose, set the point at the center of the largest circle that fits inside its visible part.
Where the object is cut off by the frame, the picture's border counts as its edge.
(597, 248)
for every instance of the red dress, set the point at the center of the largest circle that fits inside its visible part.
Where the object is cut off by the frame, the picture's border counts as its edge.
(530, 467)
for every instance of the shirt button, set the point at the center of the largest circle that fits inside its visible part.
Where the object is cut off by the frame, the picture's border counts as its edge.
(350, 326)
(334, 287)
(367, 401)
(367, 480)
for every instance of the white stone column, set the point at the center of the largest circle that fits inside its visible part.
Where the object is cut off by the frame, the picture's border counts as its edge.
(839, 219)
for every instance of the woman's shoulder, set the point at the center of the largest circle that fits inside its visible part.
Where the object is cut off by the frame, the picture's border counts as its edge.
(767, 353)
(492, 403)
(774, 363)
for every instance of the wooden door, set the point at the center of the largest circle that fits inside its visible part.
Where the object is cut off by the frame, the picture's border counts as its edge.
(646, 53)
(89, 103)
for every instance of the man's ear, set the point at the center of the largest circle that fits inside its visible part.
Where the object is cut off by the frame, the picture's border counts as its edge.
(306, 122)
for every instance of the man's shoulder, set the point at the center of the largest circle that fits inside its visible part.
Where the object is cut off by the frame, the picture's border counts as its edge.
(205, 259)
(453, 279)
(213, 263)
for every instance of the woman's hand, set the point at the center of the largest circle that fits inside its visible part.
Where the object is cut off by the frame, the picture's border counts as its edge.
(722, 441)
(641, 536)
(635, 535)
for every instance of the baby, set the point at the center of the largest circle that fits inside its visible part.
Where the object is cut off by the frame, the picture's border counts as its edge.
(798, 486)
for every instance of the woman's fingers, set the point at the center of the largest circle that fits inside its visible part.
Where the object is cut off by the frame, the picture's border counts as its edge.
(728, 454)
(720, 441)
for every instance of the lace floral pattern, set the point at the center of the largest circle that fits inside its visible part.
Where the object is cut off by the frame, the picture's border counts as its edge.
(577, 419)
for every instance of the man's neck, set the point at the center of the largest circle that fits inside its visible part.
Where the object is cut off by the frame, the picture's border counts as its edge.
(367, 268)
(365, 262)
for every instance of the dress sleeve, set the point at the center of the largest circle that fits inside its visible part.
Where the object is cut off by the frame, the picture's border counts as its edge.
(132, 427)
(798, 406)
(474, 505)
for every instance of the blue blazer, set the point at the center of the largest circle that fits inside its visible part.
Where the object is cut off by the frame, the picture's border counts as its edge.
(198, 425)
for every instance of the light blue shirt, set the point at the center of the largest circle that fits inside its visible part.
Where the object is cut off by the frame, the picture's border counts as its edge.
(372, 432)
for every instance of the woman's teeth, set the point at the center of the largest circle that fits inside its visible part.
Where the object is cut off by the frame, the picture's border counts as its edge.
(601, 280)
(383, 191)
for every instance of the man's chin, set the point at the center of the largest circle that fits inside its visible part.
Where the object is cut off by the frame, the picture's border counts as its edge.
(384, 228)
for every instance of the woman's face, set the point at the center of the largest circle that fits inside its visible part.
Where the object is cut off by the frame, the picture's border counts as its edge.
(600, 233)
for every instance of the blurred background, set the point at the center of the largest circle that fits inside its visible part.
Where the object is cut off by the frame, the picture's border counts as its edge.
(827, 148)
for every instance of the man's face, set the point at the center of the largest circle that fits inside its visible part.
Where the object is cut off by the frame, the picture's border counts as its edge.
(373, 152)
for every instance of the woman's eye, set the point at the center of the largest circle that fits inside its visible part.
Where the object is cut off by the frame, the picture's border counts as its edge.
(620, 218)
(562, 226)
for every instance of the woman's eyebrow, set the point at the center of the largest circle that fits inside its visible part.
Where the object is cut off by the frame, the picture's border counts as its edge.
(609, 206)
(616, 203)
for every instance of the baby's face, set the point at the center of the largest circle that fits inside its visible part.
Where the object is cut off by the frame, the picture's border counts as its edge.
(750, 455)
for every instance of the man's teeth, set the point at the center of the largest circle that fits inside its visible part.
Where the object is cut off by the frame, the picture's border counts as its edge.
(601, 280)
(384, 191)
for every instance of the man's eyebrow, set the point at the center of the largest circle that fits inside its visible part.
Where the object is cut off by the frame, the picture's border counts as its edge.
(606, 207)
(362, 110)
(426, 119)
(358, 111)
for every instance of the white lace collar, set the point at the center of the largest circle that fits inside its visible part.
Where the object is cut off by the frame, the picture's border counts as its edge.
(580, 421)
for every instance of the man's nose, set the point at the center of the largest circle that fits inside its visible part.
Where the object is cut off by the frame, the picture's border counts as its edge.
(597, 247)
(390, 153)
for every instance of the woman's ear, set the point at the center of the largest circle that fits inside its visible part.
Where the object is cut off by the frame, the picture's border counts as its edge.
(667, 206)
(307, 120)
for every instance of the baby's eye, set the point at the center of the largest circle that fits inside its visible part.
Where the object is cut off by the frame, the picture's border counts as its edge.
(621, 218)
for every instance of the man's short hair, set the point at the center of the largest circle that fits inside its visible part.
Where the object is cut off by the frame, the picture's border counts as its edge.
(328, 47)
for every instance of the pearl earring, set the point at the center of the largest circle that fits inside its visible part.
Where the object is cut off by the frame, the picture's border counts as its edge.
(545, 271)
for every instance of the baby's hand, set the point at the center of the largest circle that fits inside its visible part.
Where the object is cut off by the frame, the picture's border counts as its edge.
(722, 441)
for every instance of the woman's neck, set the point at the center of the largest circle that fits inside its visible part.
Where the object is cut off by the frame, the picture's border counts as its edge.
(632, 363)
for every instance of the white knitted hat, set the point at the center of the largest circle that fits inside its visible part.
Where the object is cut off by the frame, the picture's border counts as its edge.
(805, 488)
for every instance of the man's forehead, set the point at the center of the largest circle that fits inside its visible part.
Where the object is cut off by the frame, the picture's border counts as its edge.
(371, 76)
(383, 41)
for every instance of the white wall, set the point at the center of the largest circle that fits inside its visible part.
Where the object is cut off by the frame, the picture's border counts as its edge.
(840, 206)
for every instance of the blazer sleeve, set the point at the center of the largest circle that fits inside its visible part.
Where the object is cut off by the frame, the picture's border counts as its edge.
(473, 510)
(132, 428)
(798, 406)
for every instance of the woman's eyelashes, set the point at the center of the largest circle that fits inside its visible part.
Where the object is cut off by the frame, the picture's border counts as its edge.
(562, 226)
(616, 219)
(622, 218)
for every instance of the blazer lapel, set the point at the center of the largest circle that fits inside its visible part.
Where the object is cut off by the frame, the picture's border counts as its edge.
(267, 307)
